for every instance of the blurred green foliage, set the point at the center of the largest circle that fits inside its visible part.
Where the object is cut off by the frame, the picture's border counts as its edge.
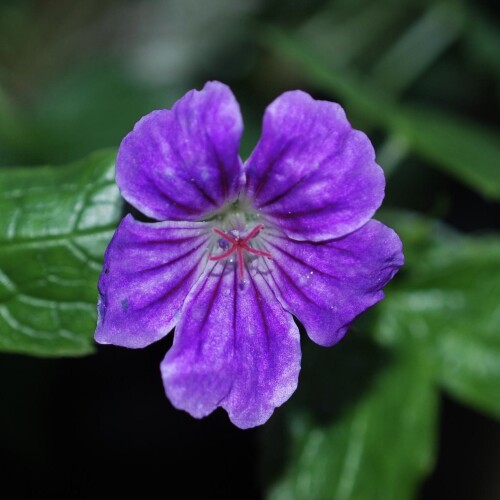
(421, 78)
(372, 437)
(446, 308)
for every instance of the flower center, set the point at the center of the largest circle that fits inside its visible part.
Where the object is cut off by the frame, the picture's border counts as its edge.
(239, 246)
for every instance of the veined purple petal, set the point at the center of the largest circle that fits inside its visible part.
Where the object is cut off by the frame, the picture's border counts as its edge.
(147, 274)
(311, 174)
(183, 164)
(235, 348)
(327, 284)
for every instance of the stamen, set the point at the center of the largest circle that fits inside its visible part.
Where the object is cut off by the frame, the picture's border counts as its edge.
(253, 233)
(226, 236)
(240, 261)
(227, 253)
(239, 245)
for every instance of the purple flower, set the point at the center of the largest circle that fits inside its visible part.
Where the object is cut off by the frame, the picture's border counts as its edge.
(241, 247)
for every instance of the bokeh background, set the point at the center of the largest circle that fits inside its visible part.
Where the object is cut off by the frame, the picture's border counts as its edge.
(422, 78)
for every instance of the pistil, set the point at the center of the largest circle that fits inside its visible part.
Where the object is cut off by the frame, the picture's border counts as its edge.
(240, 245)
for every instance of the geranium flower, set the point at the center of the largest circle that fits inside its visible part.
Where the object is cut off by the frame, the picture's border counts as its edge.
(241, 247)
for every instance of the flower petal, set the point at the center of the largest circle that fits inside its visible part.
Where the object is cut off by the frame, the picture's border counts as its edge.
(327, 284)
(311, 173)
(148, 272)
(182, 164)
(235, 348)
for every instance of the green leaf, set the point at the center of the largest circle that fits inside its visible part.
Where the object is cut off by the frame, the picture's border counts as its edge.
(376, 442)
(446, 305)
(463, 149)
(55, 225)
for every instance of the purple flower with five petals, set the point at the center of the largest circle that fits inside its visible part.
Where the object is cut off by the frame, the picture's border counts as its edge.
(241, 247)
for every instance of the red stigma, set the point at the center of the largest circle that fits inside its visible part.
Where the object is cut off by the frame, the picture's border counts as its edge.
(240, 245)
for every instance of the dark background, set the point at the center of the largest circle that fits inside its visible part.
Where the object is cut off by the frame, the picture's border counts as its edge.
(101, 426)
